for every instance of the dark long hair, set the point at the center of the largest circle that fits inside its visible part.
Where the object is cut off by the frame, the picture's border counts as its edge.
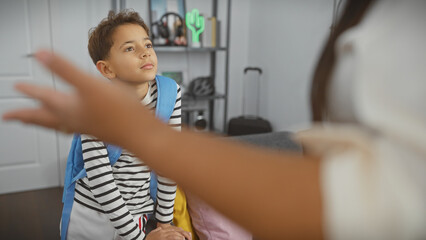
(352, 15)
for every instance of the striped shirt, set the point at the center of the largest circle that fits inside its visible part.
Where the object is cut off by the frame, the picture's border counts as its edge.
(122, 191)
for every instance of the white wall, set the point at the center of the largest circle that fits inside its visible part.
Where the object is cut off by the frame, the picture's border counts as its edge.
(239, 53)
(284, 38)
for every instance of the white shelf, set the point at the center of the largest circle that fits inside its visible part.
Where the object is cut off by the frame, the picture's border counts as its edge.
(186, 49)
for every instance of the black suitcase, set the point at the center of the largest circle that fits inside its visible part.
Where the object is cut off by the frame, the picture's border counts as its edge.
(245, 125)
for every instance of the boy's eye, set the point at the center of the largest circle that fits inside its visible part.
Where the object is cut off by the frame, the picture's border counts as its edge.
(149, 45)
(129, 49)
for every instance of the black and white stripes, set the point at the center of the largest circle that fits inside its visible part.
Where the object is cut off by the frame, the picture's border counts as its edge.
(122, 191)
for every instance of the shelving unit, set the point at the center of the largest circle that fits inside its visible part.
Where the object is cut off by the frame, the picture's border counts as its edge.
(212, 51)
(213, 66)
(188, 49)
(213, 97)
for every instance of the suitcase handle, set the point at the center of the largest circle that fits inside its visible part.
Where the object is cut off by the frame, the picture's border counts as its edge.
(252, 69)
(259, 70)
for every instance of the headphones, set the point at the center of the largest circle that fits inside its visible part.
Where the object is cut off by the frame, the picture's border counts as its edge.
(163, 27)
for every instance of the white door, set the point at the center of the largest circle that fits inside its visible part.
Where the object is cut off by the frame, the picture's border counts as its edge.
(28, 155)
(69, 38)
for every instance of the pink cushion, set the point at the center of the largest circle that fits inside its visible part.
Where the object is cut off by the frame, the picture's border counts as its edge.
(209, 224)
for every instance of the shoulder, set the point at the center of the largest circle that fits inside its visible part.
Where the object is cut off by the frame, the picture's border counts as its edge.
(88, 137)
(365, 178)
(169, 82)
(164, 79)
(88, 140)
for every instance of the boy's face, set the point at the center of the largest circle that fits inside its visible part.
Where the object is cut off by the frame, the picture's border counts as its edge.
(132, 58)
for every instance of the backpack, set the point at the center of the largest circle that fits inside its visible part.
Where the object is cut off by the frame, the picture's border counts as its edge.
(166, 99)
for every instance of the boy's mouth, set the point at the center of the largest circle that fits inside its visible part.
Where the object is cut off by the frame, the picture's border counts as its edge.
(147, 66)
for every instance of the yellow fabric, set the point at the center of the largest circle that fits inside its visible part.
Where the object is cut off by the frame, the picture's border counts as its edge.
(181, 216)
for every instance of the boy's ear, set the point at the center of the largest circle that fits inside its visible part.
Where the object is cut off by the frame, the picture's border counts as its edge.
(104, 69)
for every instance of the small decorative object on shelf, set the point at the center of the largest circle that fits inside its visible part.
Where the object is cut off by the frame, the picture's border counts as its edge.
(195, 23)
(201, 87)
(177, 76)
(196, 118)
(210, 37)
(200, 123)
(167, 23)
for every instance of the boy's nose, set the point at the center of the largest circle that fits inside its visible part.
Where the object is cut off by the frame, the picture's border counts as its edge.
(145, 54)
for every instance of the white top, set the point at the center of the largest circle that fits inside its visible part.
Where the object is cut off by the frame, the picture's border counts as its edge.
(374, 161)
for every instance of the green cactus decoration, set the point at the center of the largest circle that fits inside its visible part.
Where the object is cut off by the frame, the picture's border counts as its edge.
(195, 23)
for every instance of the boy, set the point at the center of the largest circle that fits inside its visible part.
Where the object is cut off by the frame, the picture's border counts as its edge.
(112, 202)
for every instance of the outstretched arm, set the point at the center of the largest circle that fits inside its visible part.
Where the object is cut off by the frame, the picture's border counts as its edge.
(274, 195)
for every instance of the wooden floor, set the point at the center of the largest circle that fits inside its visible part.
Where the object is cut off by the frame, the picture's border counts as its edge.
(31, 215)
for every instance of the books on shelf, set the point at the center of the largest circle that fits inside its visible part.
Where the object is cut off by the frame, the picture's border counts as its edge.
(178, 76)
(210, 36)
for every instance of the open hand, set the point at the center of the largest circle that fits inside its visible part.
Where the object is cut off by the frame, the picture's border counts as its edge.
(96, 107)
(167, 231)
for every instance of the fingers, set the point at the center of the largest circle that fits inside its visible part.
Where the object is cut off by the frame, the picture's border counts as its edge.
(175, 236)
(187, 235)
(38, 116)
(155, 230)
(172, 235)
(182, 232)
(45, 95)
(178, 230)
(64, 69)
(51, 99)
(46, 115)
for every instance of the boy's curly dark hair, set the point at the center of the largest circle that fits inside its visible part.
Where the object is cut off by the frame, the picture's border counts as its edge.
(100, 37)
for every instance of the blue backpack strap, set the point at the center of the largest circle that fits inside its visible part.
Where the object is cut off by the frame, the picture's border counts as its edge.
(166, 100)
(114, 153)
(76, 142)
(166, 97)
(68, 200)
(74, 169)
(153, 186)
